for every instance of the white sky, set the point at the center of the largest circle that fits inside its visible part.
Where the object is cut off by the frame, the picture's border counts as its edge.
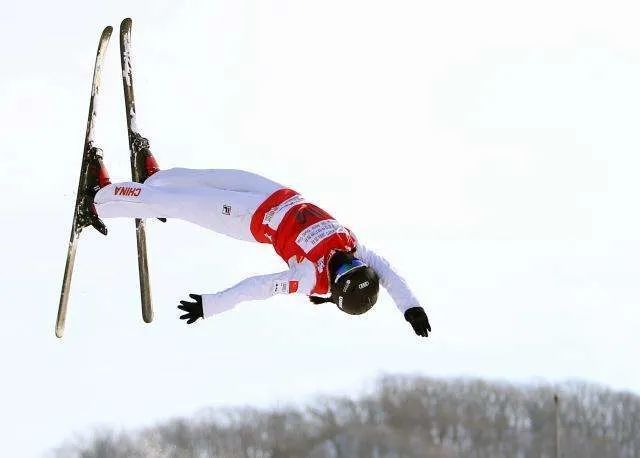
(488, 149)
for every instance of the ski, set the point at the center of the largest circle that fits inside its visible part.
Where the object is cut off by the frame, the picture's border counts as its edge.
(136, 143)
(80, 218)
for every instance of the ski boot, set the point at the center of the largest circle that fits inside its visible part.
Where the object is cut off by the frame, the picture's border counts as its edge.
(97, 178)
(146, 164)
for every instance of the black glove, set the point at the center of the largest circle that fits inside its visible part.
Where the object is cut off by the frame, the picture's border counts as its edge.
(319, 300)
(193, 309)
(418, 320)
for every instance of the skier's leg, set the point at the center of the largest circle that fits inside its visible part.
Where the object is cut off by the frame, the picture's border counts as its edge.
(226, 212)
(228, 179)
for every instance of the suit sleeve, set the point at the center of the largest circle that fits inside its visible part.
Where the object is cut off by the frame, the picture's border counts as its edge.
(395, 285)
(254, 288)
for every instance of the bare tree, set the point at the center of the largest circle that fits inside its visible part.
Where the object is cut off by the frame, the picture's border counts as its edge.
(403, 417)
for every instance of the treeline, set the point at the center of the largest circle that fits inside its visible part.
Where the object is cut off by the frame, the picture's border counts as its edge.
(402, 417)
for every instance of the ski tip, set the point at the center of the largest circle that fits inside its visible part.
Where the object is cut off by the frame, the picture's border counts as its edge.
(106, 33)
(126, 23)
(59, 332)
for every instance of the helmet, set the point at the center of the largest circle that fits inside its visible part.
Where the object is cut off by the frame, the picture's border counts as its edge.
(354, 286)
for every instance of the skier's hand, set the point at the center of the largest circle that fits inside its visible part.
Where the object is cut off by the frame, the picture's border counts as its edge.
(419, 321)
(318, 300)
(193, 309)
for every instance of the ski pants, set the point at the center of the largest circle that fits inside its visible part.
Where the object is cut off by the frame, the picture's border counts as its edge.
(221, 200)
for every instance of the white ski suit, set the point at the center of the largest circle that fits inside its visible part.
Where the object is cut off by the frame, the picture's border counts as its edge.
(249, 207)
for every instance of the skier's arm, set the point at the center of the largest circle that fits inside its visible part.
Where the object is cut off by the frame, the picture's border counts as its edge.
(253, 288)
(398, 289)
(395, 285)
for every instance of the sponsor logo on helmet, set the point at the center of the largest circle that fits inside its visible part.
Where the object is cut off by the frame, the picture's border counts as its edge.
(340, 301)
(363, 285)
(346, 286)
(127, 191)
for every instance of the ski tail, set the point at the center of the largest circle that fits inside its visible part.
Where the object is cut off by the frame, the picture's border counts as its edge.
(136, 173)
(78, 222)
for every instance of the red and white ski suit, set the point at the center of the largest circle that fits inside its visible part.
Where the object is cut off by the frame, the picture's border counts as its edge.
(249, 207)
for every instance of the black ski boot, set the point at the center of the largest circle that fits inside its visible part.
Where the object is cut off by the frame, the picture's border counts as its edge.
(97, 178)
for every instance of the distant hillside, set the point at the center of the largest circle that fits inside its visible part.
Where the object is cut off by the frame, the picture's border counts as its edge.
(402, 417)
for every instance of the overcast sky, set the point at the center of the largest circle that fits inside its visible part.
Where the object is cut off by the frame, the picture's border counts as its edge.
(488, 149)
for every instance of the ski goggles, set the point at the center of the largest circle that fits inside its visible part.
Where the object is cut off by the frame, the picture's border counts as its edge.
(348, 267)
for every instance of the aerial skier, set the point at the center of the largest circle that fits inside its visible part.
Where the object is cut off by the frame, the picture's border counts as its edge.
(326, 261)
